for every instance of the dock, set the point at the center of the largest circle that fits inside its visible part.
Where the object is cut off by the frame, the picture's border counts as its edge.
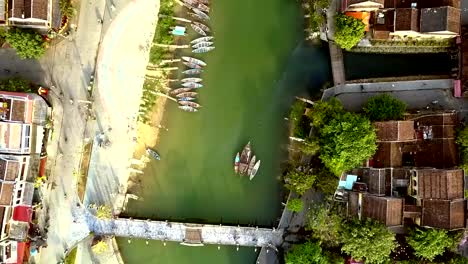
(337, 64)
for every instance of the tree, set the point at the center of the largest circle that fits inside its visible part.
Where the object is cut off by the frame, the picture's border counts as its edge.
(299, 181)
(325, 225)
(310, 147)
(27, 43)
(349, 31)
(67, 9)
(326, 182)
(384, 107)
(295, 205)
(346, 142)
(462, 141)
(16, 85)
(367, 240)
(323, 112)
(429, 243)
(310, 253)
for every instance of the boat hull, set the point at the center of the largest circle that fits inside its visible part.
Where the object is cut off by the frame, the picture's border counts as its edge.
(254, 170)
(154, 154)
(201, 39)
(203, 50)
(187, 94)
(192, 85)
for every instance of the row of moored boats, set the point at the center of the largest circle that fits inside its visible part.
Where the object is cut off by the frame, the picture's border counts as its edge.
(245, 163)
(199, 11)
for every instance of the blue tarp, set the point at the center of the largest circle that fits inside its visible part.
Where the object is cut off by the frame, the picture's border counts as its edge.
(348, 184)
(178, 31)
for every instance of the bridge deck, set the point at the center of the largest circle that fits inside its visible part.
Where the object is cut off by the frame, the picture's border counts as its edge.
(171, 231)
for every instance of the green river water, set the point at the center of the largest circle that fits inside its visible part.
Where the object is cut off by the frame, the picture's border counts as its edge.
(252, 75)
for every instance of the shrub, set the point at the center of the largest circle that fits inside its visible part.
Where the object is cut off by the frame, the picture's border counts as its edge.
(349, 31)
(384, 107)
(67, 9)
(299, 181)
(27, 43)
(429, 243)
(295, 205)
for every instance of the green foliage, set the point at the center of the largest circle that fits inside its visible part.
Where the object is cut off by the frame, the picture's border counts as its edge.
(104, 212)
(310, 253)
(349, 31)
(71, 257)
(462, 141)
(367, 240)
(295, 205)
(300, 122)
(384, 107)
(16, 85)
(325, 225)
(324, 112)
(297, 110)
(27, 43)
(346, 142)
(67, 9)
(429, 243)
(310, 147)
(316, 12)
(326, 182)
(298, 181)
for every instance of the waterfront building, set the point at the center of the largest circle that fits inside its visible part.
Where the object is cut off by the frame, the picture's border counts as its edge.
(35, 14)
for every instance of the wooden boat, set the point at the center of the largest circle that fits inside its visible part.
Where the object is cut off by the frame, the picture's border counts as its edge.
(255, 170)
(202, 14)
(190, 2)
(202, 45)
(180, 90)
(202, 7)
(187, 108)
(186, 99)
(203, 50)
(251, 165)
(155, 155)
(201, 39)
(187, 94)
(191, 104)
(244, 159)
(198, 29)
(192, 71)
(202, 26)
(206, 2)
(192, 85)
(197, 16)
(192, 65)
(193, 60)
(196, 80)
(236, 163)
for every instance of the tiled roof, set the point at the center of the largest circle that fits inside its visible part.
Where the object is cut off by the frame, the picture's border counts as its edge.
(407, 19)
(439, 184)
(440, 19)
(444, 213)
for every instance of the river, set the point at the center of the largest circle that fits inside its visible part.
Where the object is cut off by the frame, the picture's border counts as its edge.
(259, 64)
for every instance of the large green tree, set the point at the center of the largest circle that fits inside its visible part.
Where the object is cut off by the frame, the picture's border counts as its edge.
(346, 142)
(349, 31)
(367, 240)
(299, 181)
(325, 225)
(325, 111)
(384, 107)
(429, 243)
(27, 43)
(310, 253)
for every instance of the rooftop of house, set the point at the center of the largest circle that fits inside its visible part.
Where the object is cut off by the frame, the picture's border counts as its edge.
(440, 20)
(9, 169)
(366, 2)
(388, 210)
(406, 19)
(6, 193)
(437, 184)
(444, 214)
(18, 230)
(30, 9)
(420, 3)
(395, 130)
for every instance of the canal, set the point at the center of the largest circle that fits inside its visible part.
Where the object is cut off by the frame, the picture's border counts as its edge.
(259, 64)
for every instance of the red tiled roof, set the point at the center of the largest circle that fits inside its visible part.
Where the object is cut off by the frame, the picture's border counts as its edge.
(22, 213)
(20, 249)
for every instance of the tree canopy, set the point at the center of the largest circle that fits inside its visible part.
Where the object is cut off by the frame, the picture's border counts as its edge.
(325, 225)
(462, 141)
(429, 243)
(299, 181)
(384, 107)
(349, 31)
(295, 205)
(367, 240)
(27, 43)
(16, 85)
(310, 253)
(325, 111)
(346, 142)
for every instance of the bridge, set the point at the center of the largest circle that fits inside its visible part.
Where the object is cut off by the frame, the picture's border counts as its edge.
(184, 233)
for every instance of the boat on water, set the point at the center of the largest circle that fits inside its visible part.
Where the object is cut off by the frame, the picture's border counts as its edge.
(186, 94)
(200, 13)
(202, 44)
(191, 104)
(244, 158)
(251, 165)
(203, 50)
(180, 90)
(201, 39)
(202, 26)
(196, 16)
(236, 163)
(192, 65)
(187, 108)
(186, 99)
(192, 71)
(193, 60)
(206, 2)
(254, 170)
(203, 7)
(192, 85)
(153, 153)
(198, 29)
(196, 80)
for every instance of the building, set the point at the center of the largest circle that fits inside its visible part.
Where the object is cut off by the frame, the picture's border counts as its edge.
(363, 5)
(387, 210)
(436, 184)
(440, 21)
(29, 13)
